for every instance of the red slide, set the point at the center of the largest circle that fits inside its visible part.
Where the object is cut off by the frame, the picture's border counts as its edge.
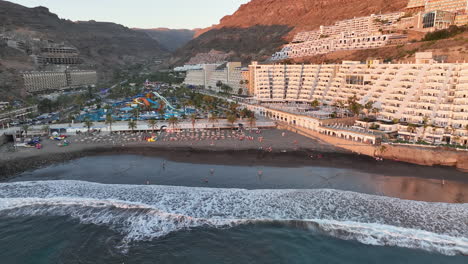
(145, 102)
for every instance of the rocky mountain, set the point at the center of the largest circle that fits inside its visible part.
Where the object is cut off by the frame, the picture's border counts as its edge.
(170, 39)
(263, 17)
(243, 44)
(103, 46)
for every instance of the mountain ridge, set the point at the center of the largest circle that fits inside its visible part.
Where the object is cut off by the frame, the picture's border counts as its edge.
(297, 15)
(103, 46)
(170, 39)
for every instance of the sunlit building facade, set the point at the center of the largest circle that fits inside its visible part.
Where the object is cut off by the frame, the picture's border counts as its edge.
(409, 93)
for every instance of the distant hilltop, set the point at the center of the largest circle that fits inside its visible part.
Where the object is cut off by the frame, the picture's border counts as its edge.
(170, 39)
(101, 46)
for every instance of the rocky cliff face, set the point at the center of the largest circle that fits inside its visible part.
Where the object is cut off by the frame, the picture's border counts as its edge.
(242, 44)
(104, 46)
(296, 15)
(306, 14)
(93, 37)
(170, 39)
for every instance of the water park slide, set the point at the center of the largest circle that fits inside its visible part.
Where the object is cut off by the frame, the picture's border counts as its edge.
(146, 102)
(164, 100)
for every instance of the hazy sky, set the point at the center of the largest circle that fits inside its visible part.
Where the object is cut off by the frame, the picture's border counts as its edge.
(142, 13)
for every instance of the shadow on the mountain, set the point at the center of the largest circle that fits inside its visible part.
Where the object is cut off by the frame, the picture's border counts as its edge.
(244, 44)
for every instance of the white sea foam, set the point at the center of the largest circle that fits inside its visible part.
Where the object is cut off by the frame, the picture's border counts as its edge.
(148, 212)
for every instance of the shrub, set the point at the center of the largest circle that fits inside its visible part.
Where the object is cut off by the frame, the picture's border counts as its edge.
(445, 33)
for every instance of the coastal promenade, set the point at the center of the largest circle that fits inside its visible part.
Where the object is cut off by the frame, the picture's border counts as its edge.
(122, 126)
(411, 154)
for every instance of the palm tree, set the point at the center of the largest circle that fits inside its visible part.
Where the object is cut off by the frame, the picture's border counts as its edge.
(213, 118)
(25, 128)
(244, 113)
(425, 122)
(341, 105)
(46, 129)
(193, 119)
(252, 121)
(152, 124)
(136, 113)
(162, 112)
(219, 84)
(411, 128)
(354, 106)
(375, 111)
(173, 121)
(183, 103)
(88, 124)
(132, 125)
(466, 131)
(109, 121)
(71, 119)
(315, 103)
(232, 119)
(233, 108)
(369, 106)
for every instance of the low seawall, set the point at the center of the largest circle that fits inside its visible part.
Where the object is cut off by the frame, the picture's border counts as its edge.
(411, 154)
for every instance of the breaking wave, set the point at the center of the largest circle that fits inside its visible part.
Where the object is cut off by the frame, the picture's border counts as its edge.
(148, 212)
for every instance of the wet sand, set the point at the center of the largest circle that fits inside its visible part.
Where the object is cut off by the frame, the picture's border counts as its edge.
(290, 150)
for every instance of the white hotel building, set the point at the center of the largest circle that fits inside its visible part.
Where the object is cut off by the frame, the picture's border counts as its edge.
(404, 92)
(350, 34)
(209, 75)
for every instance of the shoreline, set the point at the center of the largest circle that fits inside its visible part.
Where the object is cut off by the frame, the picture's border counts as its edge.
(245, 157)
(399, 153)
(288, 149)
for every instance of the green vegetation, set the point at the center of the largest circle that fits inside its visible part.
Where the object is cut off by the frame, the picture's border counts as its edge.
(226, 89)
(252, 121)
(166, 77)
(109, 121)
(88, 124)
(213, 118)
(193, 119)
(64, 101)
(132, 125)
(231, 118)
(353, 105)
(315, 103)
(152, 124)
(122, 91)
(445, 33)
(381, 21)
(173, 121)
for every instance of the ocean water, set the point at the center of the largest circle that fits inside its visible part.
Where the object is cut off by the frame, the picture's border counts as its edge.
(196, 213)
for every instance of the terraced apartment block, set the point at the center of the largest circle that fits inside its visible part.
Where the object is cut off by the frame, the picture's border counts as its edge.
(412, 93)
